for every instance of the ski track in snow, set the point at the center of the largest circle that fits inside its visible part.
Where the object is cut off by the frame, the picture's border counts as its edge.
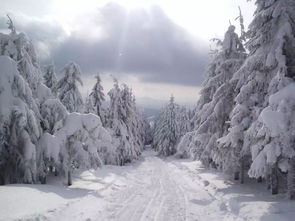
(153, 189)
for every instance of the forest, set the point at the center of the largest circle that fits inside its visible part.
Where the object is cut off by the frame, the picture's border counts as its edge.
(242, 125)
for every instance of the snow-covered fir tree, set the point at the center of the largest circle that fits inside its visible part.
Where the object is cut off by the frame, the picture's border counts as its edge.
(148, 136)
(19, 126)
(269, 71)
(125, 123)
(89, 106)
(21, 93)
(133, 118)
(216, 101)
(97, 98)
(37, 132)
(50, 79)
(183, 119)
(166, 130)
(18, 47)
(82, 139)
(67, 87)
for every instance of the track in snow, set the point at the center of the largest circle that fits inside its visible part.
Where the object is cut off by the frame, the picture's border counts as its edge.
(154, 189)
(165, 190)
(154, 196)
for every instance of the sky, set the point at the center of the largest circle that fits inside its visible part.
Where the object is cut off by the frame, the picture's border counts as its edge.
(158, 47)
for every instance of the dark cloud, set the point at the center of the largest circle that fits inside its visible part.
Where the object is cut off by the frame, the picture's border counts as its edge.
(46, 35)
(145, 43)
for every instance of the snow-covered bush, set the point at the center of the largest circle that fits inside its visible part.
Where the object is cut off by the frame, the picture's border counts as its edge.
(81, 142)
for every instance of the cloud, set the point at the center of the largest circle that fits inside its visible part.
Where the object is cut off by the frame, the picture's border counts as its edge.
(142, 42)
(46, 34)
(145, 43)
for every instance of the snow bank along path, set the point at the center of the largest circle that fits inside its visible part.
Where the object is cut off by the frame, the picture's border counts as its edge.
(152, 189)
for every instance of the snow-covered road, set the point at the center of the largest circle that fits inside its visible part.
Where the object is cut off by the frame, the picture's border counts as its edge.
(151, 189)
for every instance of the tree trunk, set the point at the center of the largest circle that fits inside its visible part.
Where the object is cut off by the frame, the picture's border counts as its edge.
(267, 177)
(55, 172)
(242, 170)
(43, 179)
(274, 181)
(69, 178)
(268, 182)
(259, 180)
(291, 179)
(2, 180)
(236, 175)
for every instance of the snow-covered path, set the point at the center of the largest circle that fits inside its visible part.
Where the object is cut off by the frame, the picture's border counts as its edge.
(159, 190)
(151, 189)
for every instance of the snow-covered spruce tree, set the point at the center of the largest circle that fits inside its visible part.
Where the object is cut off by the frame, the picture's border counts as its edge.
(186, 146)
(183, 121)
(278, 125)
(53, 114)
(97, 98)
(67, 87)
(78, 141)
(89, 106)
(18, 47)
(133, 118)
(148, 136)
(20, 123)
(216, 102)
(266, 72)
(35, 127)
(121, 121)
(166, 130)
(50, 79)
(19, 126)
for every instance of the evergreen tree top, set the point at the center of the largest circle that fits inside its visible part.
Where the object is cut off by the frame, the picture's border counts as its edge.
(172, 99)
(73, 71)
(11, 25)
(97, 77)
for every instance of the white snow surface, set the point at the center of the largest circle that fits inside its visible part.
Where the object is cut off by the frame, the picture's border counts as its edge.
(151, 189)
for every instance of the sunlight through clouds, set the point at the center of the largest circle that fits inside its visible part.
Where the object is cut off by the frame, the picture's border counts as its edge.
(197, 16)
(154, 41)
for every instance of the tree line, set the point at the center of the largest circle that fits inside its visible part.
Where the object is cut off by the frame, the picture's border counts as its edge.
(243, 123)
(47, 128)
